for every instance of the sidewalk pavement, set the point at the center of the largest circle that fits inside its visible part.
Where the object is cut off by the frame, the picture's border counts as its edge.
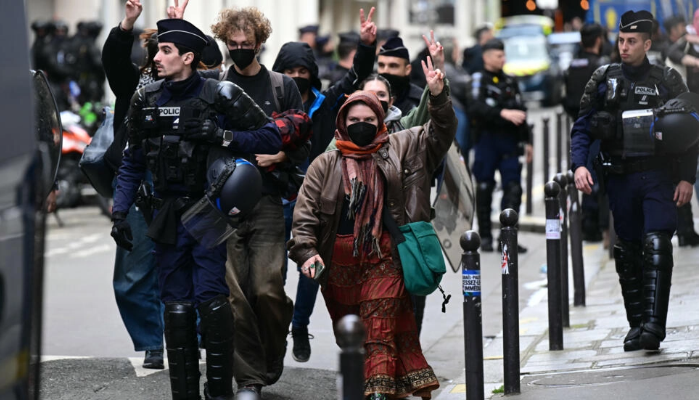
(593, 364)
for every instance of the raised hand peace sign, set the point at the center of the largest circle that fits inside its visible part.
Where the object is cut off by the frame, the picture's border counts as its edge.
(437, 52)
(176, 11)
(434, 77)
(132, 10)
(368, 30)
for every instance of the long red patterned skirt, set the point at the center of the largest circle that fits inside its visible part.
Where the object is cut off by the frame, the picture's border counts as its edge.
(373, 289)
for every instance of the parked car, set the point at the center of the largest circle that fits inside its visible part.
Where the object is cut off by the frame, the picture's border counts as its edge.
(539, 76)
(564, 47)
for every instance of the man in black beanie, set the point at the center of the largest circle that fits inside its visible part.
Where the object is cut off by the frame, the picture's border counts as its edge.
(394, 64)
(638, 177)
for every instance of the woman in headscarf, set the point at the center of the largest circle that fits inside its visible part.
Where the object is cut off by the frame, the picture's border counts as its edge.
(338, 224)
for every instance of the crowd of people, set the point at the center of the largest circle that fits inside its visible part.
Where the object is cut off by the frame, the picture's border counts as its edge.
(366, 145)
(72, 63)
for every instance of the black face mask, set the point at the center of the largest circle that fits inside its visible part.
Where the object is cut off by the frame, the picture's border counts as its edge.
(399, 84)
(303, 84)
(362, 133)
(242, 57)
(385, 106)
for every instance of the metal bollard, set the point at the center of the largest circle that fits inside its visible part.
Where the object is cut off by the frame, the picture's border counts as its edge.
(545, 147)
(528, 184)
(561, 179)
(473, 341)
(553, 234)
(560, 137)
(576, 244)
(351, 338)
(511, 312)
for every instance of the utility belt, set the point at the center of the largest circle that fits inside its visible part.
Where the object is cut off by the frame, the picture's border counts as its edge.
(180, 204)
(618, 166)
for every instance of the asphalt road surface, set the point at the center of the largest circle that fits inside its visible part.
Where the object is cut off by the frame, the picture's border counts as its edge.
(88, 354)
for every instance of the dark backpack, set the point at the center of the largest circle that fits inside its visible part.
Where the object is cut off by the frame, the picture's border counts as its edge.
(277, 82)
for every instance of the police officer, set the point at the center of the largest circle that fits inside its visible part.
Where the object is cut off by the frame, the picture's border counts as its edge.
(498, 118)
(588, 59)
(638, 177)
(174, 128)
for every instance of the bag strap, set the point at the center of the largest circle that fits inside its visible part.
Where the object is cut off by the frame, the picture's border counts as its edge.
(277, 82)
(398, 237)
(392, 227)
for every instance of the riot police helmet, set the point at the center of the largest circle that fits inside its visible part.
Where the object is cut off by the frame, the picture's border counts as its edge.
(60, 28)
(241, 189)
(235, 188)
(676, 124)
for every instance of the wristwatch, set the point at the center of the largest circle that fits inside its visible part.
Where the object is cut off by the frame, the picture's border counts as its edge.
(227, 138)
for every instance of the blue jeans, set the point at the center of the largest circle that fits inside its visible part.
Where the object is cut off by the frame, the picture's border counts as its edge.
(136, 288)
(307, 288)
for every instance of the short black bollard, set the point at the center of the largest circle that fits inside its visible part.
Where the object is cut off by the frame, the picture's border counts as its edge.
(511, 312)
(553, 234)
(473, 341)
(561, 179)
(545, 148)
(560, 139)
(575, 236)
(351, 338)
(529, 183)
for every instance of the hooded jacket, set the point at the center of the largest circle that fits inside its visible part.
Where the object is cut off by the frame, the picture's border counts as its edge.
(323, 107)
(406, 162)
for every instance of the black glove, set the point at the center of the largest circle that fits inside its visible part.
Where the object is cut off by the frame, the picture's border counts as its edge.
(121, 231)
(204, 130)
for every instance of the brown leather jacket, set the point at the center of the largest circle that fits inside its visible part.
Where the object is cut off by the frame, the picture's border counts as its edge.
(407, 162)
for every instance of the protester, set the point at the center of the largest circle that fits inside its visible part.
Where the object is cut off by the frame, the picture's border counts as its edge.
(255, 252)
(337, 226)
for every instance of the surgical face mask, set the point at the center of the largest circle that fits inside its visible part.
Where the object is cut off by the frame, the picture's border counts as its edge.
(242, 57)
(385, 106)
(362, 133)
(303, 84)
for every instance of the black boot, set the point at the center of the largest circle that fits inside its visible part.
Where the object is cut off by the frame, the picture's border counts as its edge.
(216, 328)
(183, 353)
(512, 198)
(484, 197)
(686, 233)
(301, 349)
(658, 266)
(629, 264)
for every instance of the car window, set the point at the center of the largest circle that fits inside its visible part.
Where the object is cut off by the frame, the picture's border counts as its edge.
(523, 49)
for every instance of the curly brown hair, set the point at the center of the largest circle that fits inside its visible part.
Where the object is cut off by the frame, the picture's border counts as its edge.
(249, 20)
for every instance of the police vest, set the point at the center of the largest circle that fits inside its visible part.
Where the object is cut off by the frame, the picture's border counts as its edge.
(623, 96)
(501, 92)
(580, 71)
(176, 163)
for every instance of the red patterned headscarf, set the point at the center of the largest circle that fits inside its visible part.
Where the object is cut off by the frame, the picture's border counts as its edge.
(362, 181)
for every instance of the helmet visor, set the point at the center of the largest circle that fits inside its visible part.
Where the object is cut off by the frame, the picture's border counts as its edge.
(206, 223)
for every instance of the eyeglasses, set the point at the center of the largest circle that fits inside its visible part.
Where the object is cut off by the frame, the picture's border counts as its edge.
(236, 46)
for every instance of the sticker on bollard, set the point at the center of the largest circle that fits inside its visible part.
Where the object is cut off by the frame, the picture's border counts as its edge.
(505, 260)
(471, 282)
(553, 229)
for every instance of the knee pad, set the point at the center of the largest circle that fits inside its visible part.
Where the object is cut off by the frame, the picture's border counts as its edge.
(512, 196)
(180, 324)
(628, 258)
(658, 251)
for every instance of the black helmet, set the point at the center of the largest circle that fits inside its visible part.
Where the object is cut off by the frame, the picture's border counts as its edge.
(676, 124)
(236, 185)
(235, 189)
